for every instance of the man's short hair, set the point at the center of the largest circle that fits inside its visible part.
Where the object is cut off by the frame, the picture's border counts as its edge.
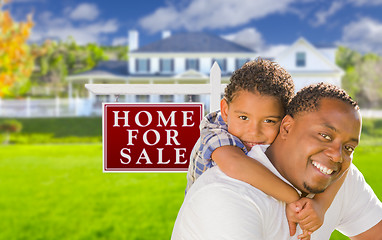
(262, 76)
(308, 98)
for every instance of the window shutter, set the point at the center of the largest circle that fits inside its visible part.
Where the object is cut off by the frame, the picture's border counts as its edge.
(197, 65)
(148, 65)
(161, 65)
(136, 65)
(224, 65)
(172, 65)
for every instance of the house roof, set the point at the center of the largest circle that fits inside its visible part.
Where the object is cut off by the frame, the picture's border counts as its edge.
(104, 69)
(193, 42)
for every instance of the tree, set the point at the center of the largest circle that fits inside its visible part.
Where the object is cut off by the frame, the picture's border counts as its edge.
(61, 59)
(362, 76)
(16, 60)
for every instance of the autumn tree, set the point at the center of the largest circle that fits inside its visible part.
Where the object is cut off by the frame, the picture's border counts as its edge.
(16, 60)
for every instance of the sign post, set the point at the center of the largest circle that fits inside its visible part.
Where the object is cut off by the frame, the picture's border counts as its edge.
(149, 137)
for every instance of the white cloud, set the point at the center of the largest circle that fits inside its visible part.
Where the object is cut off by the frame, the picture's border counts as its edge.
(322, 16)
(60, 28)
(366, 2)
(248, 37)
(211, 14)
(364, 35)
(25, 1)
(85, 11)
(119, 41)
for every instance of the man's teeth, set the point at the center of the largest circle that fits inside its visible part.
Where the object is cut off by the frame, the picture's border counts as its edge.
(322, 169)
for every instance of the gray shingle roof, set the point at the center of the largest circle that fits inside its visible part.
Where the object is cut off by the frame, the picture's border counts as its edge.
(113, 67)
(193, 42)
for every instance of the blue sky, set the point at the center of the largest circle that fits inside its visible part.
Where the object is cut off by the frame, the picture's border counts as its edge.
(259, 24)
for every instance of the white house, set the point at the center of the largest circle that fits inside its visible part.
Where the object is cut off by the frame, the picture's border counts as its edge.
(186, 58)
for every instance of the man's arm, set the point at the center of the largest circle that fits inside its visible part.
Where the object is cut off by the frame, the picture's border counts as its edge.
(374, 233)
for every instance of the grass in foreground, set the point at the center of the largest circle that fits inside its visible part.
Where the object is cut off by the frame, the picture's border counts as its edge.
(60, 192)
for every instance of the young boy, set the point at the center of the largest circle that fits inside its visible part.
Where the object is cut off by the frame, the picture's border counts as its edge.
(251, 112)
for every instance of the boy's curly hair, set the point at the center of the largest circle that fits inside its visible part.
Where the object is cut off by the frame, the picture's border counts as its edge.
(262, 76)
(308, 98)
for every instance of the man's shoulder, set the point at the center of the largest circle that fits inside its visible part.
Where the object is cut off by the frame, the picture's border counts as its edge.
(214, 184)
(224, 202)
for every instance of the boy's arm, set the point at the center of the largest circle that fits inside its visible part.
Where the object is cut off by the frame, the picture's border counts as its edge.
(233, 162)
(230, 154)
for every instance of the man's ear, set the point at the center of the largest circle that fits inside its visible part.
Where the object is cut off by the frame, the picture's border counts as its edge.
(224, 109)
(286, 126)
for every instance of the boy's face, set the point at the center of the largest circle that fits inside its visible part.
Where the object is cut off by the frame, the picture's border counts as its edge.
(252, 117)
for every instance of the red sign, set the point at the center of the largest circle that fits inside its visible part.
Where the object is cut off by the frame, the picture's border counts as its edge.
(149, 137)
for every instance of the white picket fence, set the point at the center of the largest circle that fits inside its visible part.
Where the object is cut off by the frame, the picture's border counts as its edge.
(58, 107)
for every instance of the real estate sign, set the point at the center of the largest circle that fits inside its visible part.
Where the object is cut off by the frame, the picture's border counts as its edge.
(149, 137)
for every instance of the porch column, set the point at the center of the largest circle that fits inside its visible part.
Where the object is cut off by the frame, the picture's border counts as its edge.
(90, 96)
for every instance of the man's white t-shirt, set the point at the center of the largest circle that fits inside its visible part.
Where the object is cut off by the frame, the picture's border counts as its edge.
(220, 207)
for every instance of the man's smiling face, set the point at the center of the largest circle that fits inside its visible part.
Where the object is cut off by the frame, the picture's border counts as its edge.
(321, 145)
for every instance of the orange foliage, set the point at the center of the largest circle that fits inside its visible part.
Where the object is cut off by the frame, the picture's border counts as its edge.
(16, 61)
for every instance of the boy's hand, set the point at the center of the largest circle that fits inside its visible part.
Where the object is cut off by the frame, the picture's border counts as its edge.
(307, 213)
(311, 216)
(292, 209)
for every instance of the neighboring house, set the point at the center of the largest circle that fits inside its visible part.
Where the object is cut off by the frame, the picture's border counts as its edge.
(187, 58)
(309, 64)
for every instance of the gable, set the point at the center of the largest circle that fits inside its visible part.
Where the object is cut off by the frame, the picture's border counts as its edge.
(315, 60)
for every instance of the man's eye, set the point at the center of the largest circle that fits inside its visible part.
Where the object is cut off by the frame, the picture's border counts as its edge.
(243, 117)
(349, 148)
(327, 137)
(269, 121)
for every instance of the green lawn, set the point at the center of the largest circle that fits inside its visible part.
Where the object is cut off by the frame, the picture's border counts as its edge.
(60, 192)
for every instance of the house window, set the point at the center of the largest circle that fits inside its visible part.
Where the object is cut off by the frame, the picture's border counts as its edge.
(192, 98)
(300, 59)
(167, 65)
(142, 65)
(222, 63)
(142, 98)
(167, 98)
(240, 62)
(192, 63)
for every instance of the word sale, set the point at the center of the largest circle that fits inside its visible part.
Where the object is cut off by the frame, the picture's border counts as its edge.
(147, 135)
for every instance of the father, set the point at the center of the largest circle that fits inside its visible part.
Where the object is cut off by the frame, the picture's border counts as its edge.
(313, 149)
